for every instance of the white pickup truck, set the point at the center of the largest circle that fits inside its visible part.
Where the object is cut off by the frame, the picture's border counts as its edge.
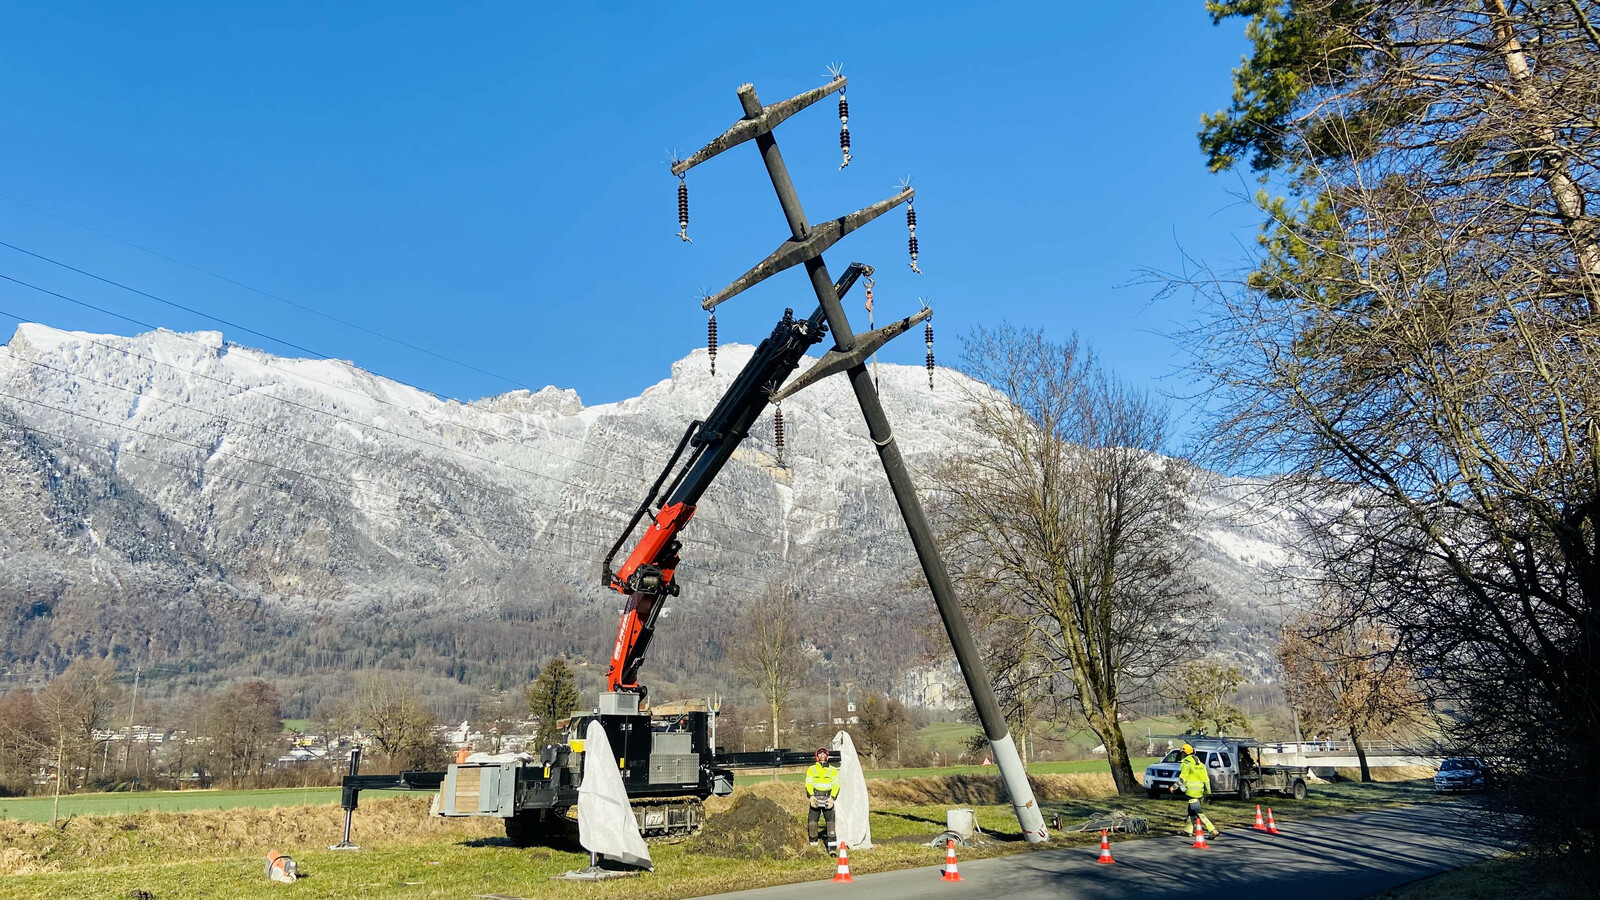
(1234, 765)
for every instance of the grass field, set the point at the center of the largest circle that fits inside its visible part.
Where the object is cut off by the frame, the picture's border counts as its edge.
(1084, 766)
(951, 737)
(209, 854)
(37, 809)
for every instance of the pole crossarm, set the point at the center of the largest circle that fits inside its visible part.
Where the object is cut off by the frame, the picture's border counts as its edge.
(792, 252)
(836, 360)
(751, 126)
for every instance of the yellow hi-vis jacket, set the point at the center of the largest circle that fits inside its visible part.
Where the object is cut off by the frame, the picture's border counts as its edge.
(1192, 772)
(822, 780)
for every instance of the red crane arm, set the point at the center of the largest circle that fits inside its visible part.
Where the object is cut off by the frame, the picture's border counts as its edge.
(645, 577)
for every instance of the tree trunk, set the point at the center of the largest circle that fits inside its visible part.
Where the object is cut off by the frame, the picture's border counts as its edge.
(1361, 755)
(1564, 189)
(61, 754)
(774, 725)
(1110, 732)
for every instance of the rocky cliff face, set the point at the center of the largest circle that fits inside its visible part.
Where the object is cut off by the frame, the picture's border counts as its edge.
(205, 508)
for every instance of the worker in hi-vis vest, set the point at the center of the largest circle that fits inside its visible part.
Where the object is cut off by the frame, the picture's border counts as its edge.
(822, 788)
(1196, 786)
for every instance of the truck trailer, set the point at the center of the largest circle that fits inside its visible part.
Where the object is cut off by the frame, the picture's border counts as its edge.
(1234, 765)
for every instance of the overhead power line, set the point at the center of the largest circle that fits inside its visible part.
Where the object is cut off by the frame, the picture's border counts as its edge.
(269, 295)
(496, 437)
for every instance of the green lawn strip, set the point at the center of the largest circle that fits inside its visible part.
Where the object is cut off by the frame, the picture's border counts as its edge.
(453, 867)
(1507, 876)
(37, 809)
(1039, 768)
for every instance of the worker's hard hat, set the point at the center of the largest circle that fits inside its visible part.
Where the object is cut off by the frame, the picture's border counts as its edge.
(1188, 749)
(824, 751)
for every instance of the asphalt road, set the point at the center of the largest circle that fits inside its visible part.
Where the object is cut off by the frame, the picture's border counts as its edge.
(1330, 858)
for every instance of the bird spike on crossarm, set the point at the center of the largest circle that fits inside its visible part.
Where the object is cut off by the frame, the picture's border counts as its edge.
(747, 128)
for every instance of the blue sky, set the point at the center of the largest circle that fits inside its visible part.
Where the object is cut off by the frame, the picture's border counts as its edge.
(489, 180)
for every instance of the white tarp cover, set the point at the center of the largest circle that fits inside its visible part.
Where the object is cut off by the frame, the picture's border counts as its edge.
(851, 822)
(605, 821)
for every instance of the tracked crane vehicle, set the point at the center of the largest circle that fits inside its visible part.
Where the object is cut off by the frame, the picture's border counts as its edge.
(667, 757)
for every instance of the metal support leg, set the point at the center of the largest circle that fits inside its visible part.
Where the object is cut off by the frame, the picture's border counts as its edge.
(350, 807)
(905, 494)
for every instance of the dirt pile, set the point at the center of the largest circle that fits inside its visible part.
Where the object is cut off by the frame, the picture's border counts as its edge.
(752, 827)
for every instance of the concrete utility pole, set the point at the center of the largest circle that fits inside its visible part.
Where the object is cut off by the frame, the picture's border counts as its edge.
(850, 353)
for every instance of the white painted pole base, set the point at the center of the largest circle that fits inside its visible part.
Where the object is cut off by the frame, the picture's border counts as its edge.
(1016, 781)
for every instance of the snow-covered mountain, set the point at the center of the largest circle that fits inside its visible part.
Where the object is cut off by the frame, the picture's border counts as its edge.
(201, 507)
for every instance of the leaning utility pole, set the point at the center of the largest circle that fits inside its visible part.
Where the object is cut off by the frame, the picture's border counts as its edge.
(805, 247)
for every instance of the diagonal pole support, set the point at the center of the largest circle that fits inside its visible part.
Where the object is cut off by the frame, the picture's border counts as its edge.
(905, 493)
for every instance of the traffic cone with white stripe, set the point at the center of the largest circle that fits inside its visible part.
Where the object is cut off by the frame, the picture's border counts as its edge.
(1260, 825)
(950, 873)
(1272, 827)
(1105, 848)
(843, 872)
(1200, 837)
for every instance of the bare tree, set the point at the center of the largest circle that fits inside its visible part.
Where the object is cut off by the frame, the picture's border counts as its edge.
(24, 738)
(765, 650)
(74, 706)
(398, 721)
(245, 728)
(498, 713)
(1415, 348)
(1203, 690)
(1066, 529)
(883, 725)
(1340, 670)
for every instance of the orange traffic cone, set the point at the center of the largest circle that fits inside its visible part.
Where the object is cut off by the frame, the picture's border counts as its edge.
(1105, 848)
(1200, 837)
(950, 873)
(843, 872)
(1260, 825)
(1272, 827)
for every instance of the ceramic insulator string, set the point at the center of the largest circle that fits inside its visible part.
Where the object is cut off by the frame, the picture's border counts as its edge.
(911, 226)
(683, 210)
(927, 338)
(844, 129)
(711, 342)
(777, 431)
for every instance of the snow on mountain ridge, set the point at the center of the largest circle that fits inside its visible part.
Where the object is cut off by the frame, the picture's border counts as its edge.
(316, 487)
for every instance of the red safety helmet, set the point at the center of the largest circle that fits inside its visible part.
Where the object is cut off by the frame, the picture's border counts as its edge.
(824, 751)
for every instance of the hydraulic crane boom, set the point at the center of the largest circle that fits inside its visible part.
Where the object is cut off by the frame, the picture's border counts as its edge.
(647, 575)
